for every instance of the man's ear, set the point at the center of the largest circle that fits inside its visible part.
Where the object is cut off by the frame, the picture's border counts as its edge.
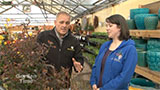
(54, 22)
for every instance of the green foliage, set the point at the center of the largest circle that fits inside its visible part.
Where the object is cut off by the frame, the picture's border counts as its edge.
(101, 41)
(6, 2)
(95, 49)
(90, 58)
(96, 37)
(89, 27)
(99, 33)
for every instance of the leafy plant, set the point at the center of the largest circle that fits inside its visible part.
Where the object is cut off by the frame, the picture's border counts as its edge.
(23, 67)
(96, 39)
(89, 27)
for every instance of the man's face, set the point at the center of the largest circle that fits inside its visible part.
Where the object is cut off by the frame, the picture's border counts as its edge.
(62, 24)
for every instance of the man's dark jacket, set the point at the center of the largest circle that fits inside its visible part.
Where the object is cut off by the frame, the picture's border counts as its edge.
(61, 56)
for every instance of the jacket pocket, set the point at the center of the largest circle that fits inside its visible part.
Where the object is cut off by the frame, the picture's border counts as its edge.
(116, 67)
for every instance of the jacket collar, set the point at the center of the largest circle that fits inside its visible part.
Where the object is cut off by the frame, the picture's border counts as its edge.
(52, 33)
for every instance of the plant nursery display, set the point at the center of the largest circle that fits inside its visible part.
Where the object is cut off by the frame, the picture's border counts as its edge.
(23, 67)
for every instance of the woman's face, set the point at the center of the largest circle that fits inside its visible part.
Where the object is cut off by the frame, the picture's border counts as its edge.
(113, 30)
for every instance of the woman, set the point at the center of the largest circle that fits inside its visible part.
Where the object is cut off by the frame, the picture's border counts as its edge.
(117, 58)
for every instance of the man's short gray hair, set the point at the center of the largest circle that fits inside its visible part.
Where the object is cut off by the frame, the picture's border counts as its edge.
(62, 12)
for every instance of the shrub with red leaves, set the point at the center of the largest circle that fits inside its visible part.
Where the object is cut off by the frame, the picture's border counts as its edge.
(23, 67)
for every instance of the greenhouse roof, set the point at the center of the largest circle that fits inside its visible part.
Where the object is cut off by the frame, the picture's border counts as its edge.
(44, 11)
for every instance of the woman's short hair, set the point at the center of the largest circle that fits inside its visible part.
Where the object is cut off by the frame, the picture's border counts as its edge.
(120, 21)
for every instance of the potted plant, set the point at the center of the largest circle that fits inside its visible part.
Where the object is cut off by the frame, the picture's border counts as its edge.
(89, 29)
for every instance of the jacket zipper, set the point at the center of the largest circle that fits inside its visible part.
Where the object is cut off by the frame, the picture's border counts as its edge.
(59, 53)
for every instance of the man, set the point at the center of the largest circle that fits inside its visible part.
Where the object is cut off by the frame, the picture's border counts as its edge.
(65, 51)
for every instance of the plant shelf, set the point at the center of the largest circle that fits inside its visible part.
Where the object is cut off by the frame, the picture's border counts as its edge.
(145, 33)
(152, 75)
